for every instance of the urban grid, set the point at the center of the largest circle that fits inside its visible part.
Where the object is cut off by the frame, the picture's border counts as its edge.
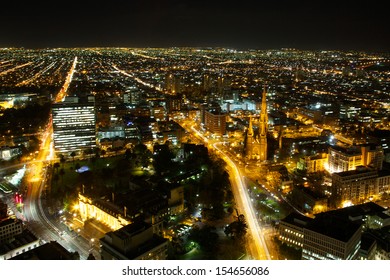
(185, 153)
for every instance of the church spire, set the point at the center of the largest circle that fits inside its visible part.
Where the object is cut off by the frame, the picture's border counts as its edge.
(264, 114)
(263, 125)
(250, 128)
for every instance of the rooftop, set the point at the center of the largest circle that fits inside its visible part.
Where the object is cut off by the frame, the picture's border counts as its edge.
(48, 251)
(334, 227)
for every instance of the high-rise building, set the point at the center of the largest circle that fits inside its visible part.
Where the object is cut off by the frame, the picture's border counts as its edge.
(74, 128)
(174, 103)
(215, 121)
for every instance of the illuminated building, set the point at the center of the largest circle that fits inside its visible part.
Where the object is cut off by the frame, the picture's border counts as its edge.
(73, 126)
(173, 84)
(291, 229)
(102, 211)
(7, 153)
(355, 186)
(329, 238)
(312, 164)
(372, 156)
(111, 132)
(333, 235)
(147, 205)
(158, 112)
(252, 147)
(256, 144)
(132, 133)
(383, 181)
(176, 200)
(215, 121)
(263, 127)
(173, 103)
(133, 242)
(308, 201)
(132, 96)
(345, 159)
(169, 131)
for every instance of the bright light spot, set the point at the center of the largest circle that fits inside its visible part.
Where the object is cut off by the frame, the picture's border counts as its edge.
(16, 178)
(347, 203)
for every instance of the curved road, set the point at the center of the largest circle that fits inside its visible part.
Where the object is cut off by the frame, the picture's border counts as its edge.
(256, 243)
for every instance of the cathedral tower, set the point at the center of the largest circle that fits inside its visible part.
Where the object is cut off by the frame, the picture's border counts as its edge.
(252, 143)
(263, 127)
(256, 143)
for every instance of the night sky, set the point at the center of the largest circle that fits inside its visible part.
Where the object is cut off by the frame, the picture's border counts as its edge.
(240, 24)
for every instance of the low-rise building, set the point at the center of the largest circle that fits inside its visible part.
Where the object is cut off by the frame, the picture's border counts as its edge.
(48, 251)
(133, 242)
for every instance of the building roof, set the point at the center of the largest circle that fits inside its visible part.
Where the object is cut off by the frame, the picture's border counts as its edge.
(297, 219)
(334, 227)
(355, 212)
(26, 237)
(351, 151)
(130, 230)
(48, 251)
(359, 170)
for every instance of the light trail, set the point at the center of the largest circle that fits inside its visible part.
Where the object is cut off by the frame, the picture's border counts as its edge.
(137, 79)
(34, 212)
(143, 55)
(261, 249)
(62, 93)
(250, 213)
(37, 75)
(15, 68)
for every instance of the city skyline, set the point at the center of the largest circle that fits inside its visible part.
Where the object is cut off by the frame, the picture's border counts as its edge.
(248, 24)
(200, 153)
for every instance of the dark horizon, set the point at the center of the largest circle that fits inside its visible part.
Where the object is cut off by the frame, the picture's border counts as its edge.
(279, 24)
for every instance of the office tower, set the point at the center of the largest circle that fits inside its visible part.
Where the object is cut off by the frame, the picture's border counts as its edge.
(73, 125)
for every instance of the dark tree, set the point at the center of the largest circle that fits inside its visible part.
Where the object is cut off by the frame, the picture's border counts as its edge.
(237, 229)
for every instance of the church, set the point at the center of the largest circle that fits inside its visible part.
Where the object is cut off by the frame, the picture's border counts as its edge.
(256, 144)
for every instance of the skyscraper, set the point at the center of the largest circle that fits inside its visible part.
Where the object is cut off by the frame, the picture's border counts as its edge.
(73, 125)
